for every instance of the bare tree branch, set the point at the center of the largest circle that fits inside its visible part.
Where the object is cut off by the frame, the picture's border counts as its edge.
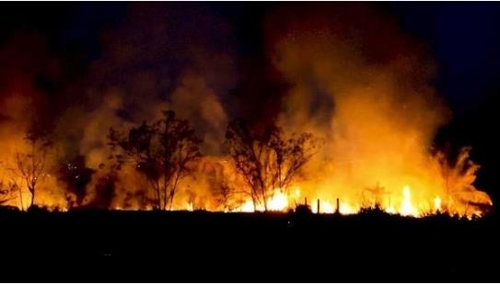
(269, 161)
(162, 151)
(31, 164)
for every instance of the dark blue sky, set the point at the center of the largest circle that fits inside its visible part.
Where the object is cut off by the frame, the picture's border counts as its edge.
(464, 38)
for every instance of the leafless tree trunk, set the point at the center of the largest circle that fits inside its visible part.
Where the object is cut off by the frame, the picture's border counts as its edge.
(31, 165)
(270, 161)
(164, 151)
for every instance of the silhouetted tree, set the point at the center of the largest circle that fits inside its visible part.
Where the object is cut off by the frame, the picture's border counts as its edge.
(376, 194)
(162, 151)
(268, 160)
(32, 163)
(459, 174)
(7, 191)
(105, 189)
(75, 175)
(224, 188)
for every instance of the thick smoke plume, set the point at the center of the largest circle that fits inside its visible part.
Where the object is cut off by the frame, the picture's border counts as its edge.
(163, 57)
(360, 83)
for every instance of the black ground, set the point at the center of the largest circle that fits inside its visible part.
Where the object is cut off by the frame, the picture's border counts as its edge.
(205, 247)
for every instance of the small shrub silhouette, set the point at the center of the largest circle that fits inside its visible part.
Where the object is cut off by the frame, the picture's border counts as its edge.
(375, 210)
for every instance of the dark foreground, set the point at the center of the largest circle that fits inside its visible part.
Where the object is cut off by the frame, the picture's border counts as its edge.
(216, 247)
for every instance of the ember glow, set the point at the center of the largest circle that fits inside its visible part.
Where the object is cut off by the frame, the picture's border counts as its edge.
(372, 107)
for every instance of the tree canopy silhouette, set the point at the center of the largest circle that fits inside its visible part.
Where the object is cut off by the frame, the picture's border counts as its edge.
(31, 164)
(161, 151)
(269, 160)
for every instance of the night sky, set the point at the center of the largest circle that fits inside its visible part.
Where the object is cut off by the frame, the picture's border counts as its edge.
(463, 40)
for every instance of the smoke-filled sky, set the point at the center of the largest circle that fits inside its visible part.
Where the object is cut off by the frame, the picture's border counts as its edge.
(352, 69)
(462, 37)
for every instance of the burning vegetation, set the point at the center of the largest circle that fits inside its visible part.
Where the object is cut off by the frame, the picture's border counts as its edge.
(355, 128)
(158, 165)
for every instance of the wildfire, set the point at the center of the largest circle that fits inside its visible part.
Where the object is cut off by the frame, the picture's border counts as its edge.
(326, 207)
(406, 203)
(346, 209)
(278, 202)
(437, 203)
(407, 206)
(364, 138)
(246, 207)
(417, 196)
